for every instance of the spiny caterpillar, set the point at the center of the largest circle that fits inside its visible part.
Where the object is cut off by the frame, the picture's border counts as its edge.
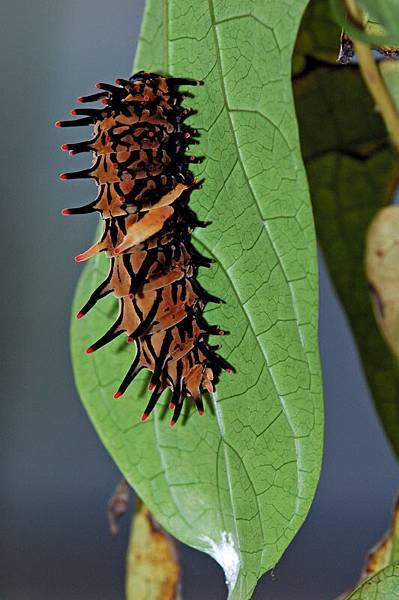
(144, 184)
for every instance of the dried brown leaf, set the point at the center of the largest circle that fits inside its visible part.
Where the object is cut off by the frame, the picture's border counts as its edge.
(153, 571)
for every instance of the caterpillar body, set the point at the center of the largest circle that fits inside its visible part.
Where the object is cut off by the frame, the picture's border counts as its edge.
(144, 184)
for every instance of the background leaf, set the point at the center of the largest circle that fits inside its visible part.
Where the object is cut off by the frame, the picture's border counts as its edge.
(382, 586)
(238, 482)
(390, 72)
(318, 37)
(385, 13)
(380, 19)
(352, 172)
(387, 551)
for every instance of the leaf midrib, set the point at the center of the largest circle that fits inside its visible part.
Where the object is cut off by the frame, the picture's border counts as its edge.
(239, 158)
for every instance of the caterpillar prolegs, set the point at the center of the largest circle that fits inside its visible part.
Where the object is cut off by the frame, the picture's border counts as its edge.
(144, 184)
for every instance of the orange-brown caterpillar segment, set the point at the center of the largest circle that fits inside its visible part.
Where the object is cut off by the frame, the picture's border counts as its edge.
(144, 183)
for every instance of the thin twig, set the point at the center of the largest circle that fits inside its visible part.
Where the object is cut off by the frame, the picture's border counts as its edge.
(373, 79)
(118, 505)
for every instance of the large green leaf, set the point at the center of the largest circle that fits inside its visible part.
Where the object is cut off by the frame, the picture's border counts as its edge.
(384, 585)
(238, 482)
(352, 171)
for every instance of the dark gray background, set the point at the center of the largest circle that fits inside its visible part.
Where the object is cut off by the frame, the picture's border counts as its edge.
(55, 475)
